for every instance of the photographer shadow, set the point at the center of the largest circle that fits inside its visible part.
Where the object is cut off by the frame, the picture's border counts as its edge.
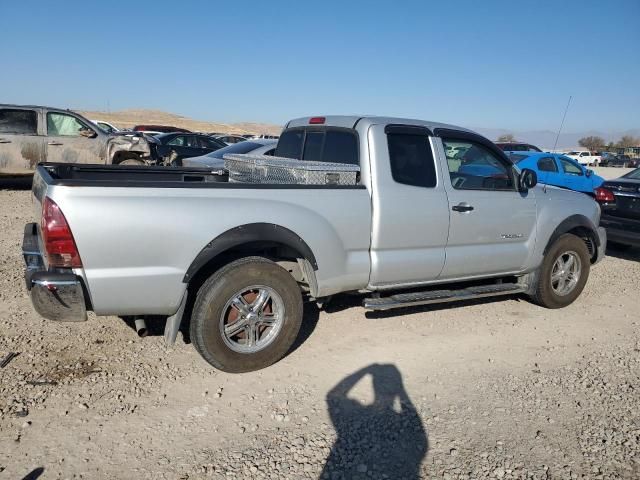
(385, 439)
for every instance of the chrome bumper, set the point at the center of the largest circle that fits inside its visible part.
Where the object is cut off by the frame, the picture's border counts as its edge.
(55, 295)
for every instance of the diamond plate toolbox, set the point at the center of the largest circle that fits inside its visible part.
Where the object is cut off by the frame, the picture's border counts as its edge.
(277, 170)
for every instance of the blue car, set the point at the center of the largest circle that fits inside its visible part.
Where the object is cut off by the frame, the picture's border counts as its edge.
(556, 169)
(552, 169)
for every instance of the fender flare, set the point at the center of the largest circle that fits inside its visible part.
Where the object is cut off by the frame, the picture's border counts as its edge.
(252, 232)
(569, 224)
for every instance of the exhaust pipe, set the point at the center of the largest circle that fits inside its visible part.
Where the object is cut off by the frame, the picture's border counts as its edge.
(141, 327)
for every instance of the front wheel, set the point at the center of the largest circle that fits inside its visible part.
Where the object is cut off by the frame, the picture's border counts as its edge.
(563, 273)
(246, 315)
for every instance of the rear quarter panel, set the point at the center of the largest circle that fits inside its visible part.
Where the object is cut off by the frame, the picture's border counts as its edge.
(137, 243)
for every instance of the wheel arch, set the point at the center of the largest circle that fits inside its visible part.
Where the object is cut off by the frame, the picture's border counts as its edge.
(580, 226)
(249, 240)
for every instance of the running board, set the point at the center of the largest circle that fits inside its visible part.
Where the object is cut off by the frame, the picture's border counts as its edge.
(442, 296)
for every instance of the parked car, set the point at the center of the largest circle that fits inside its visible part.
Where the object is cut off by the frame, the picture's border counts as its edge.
(106, 126)
(517, 147)
(215, 159)
(33, 134)
(584, 157)
(172, 148)
(558, 170)
(411, 229)
(156, 129)
(620, 202)
(624, 161)
(605, 158)
(230, 139)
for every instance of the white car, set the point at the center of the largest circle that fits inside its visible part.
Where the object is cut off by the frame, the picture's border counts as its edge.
(106, 126)
(584, 157)
(215, 160)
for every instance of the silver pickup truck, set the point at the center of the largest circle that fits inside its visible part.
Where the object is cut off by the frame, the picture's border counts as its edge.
(237, 259)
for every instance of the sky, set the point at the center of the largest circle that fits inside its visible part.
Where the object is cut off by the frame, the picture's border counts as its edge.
(492, 64)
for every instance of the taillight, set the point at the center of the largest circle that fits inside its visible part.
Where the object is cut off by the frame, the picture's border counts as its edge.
(58, 241)
(604, 195)
(316, 120)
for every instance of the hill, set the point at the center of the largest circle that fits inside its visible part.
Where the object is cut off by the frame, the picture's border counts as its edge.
(130, 118)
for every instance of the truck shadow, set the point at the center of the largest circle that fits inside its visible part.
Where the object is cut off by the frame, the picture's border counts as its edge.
(16, 183)
(345, 302)
(34, 474)
(385, 439)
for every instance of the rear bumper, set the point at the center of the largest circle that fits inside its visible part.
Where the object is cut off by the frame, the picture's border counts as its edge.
(621, 230)
(55, 295)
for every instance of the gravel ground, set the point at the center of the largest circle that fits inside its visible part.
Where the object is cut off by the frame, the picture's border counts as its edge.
(488, 389)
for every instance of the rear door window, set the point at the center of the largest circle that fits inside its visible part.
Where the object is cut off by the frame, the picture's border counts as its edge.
(411, 159)
(19, 122)
(547, 164)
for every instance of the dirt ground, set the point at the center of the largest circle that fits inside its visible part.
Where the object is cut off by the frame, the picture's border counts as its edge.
(488, 389)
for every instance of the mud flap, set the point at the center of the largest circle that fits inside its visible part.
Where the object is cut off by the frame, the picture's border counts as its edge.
(173, 322)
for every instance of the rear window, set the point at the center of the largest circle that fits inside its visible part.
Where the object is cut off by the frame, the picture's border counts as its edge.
(290, 144)
(330, 145)
(22, 122)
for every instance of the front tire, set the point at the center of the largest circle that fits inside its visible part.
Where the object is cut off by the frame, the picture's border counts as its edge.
(246, 315)
(563, 273)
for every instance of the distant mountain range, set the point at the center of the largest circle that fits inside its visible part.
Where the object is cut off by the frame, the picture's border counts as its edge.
(541, 138)
(546, 138)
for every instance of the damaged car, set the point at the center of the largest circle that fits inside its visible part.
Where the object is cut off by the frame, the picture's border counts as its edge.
(33, 134)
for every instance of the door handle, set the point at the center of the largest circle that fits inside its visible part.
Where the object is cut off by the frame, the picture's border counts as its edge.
(462, 207)
(54, 143)
(4, 140)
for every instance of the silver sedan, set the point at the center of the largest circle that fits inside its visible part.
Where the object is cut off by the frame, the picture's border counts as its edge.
(215, 160)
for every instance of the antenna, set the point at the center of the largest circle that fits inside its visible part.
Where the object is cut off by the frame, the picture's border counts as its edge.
(561, 124)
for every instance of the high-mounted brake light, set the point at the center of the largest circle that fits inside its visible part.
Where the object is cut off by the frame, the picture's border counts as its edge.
(316, 120)
(57, 238)
(604, 195)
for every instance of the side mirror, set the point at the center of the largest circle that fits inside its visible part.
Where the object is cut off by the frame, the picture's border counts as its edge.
(88, 133)
(588, 172)
(527, 180)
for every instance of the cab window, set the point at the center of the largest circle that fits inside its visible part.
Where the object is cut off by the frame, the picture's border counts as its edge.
(477, 168)
(64, 125)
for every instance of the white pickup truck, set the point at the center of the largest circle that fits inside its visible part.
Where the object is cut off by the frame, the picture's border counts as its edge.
(415, 226)
(584, 157)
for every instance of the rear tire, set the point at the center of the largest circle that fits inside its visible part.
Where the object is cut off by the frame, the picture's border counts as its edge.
(246, 315)
(563, 273)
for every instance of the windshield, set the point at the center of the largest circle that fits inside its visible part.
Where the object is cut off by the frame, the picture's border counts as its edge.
(242, 147)
(635, 174)
(573, 153)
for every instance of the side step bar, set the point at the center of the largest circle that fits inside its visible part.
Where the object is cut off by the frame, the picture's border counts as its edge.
(441, 296)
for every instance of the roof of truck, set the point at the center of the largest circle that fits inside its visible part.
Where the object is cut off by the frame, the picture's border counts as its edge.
(350, 121)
